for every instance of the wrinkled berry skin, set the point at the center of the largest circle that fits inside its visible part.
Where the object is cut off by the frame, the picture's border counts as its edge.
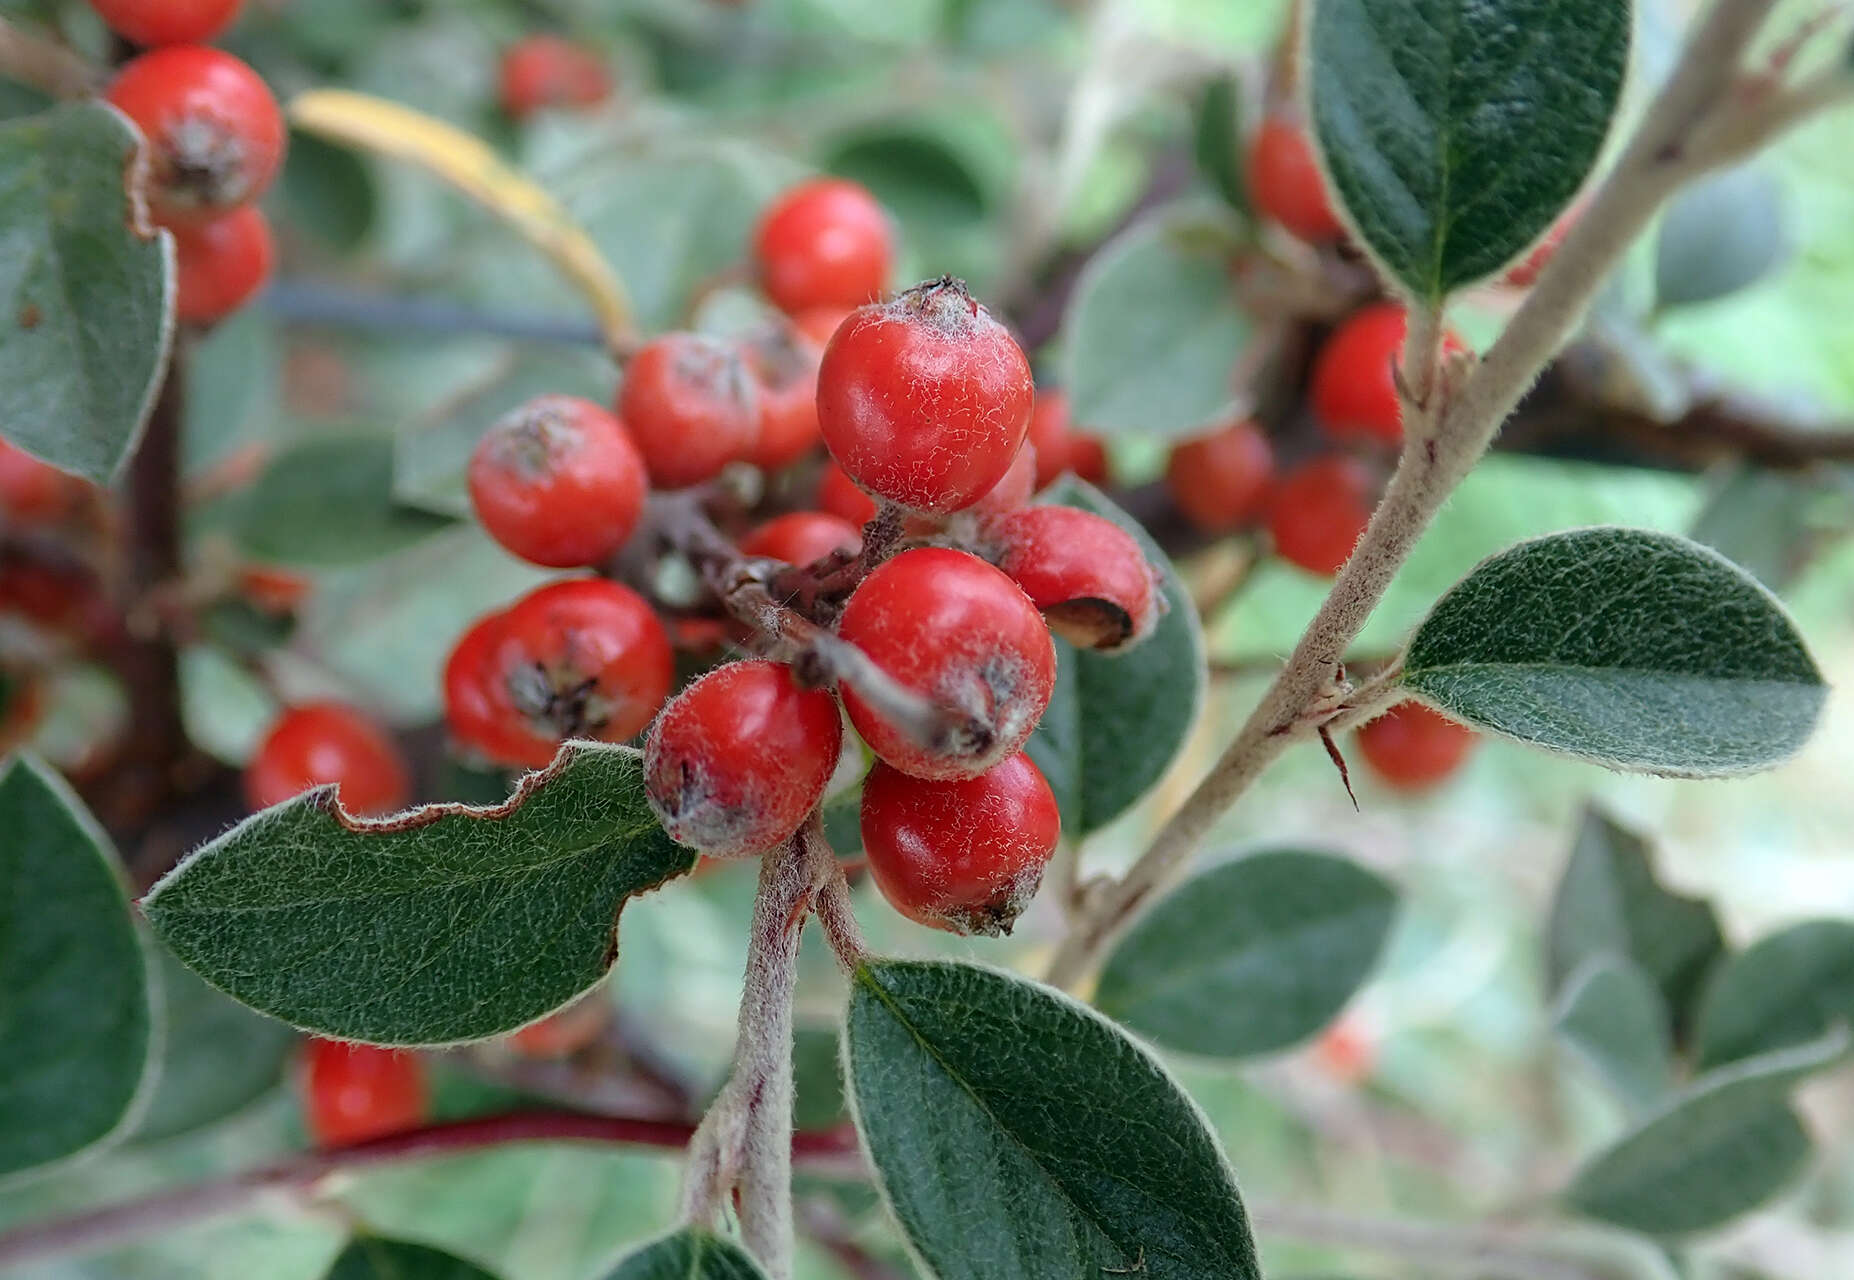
(558, 482)
(738, 760)
(965, 855)
(319, 743)
(957, 631)
(1412, 748)
(925, 400)
(1086, 573)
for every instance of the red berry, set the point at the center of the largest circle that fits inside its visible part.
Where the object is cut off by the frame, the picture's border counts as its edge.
(358, 1091)
(1086, 573)
(546, 71)
(1411, 747)
(585, 658)
(1220, 481)
(925, 400)
(157, 22)
(966, 855)
(824, 243)
(1319, 511)
(221, 264)
(564, 1032)
(820, 324)
(1049, 432)
(785, 361)
(1354, 386)
(738, 759)
(1524, 273)
(272, 589)
(957, 631)
(1285, 182)
(322, 742)
(1088, 459)
(692, 406)
(558, 482)
(803, 537)
(1014, 490)
(838, 494)
(214, 133)
(34, 492)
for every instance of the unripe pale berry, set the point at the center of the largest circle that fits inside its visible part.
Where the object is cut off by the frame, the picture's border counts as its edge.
(964, 855)
(220, 264)
(803, 537)
(546, 71)
(957, 631)
(1220, 481)
(354, 1092)
(1319, 511)
(823, 243)
(1412, 747)
(692, 406)
(926, 399)
(328, 742)
(738, 759)
(558, 482)
(1285, 182)
(1087, 574)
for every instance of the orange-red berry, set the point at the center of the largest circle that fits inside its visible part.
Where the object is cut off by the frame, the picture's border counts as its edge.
(546, 71)
(824, 243)
(221, 264)
(1411, 747)
(1221, 481)
(558, 482)
(320, 743)
(692, 406)
(355, 1092)
(803, 537)
(1319, 511)
(1285, 181)
(1087, 574)
(157, 22)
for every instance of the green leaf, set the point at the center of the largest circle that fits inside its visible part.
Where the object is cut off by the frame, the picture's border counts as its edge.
(371, 1258)
(330, 502)
(1613, 1016)
(1726, 1145)
(1610, 904)
(1787, 989)
(1116, 722)
(86, 297)
(1636, 650)
(1217, 140)
(688, 1254)
(1722, 234)
(217, 1057)
(1154, 328)
(76, 1025)
(1454, 131)
(330, 191)
(441, 925)
(1252, 956)
(1017, 1134)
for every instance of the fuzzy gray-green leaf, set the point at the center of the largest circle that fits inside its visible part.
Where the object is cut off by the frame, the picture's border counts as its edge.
(1017, 1134)
(1637, 650)
(1454, 131)
(441, 925)
(1613, 1016)
(1787, 989)
(1252, 956)
(688, 1254)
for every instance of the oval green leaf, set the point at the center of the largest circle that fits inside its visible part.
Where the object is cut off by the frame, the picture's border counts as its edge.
(1154, 327)
(1252, 956)
(1722, 234)
(440, 925)
(1614, 1018)
(1787, 989)
(1018, 1134)
(1455, 131)
(85, 291)
(689, 1254)
(1641, 651)
(373, 1258)
(330, 502)
(1115, 723)
(1725, 1146)
(1216, 141)
(76, 1027)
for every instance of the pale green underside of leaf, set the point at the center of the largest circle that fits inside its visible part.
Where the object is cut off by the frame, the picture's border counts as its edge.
(371, 1258)
(1115, 723)
(76, 1019)
(689, 1254)
(1250, 957)
(1017, 1134)
(1726, 1145)
(1784, 990)
(329, 501)
(1454, 131)
(1613, 1017)
(1641, 651)
(85, 321)
(443, 925)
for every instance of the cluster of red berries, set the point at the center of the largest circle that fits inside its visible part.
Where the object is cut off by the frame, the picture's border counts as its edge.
(544, 71)
(215, 141)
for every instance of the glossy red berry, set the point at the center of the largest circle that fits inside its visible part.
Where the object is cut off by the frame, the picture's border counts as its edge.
(785, 363)
(824, 243)
(547, 71)
(820, 324)
(1319, 511)
(214, 133)
(803, 537)
(925, 400)
(1354, 386)
(838, 494)
(1014, 489)
(1412, 747)
(354, 1092)
(157, 22)
(692, 406)
(329, 742)
(585, 658)
(964, 855)
(1086, 573)
(34, 492)
(1285, 181)
(1220, 481)
(1049, 433)
(1088, 459)
(221, 264)
(957, 631)
(558, 482)
(738, 759)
